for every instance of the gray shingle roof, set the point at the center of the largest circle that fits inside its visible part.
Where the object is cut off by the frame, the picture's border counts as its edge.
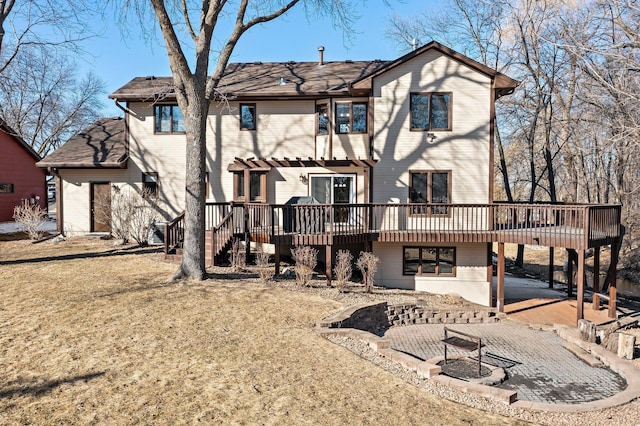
(102, 144)
(263, 80)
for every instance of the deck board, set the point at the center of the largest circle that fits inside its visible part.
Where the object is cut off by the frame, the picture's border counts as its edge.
(553, 311)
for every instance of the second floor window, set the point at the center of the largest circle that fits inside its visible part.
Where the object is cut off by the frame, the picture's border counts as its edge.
(430, 187)
(247, 116)
(351, 118)
(168, 119)
(322, 115)
(430, 111)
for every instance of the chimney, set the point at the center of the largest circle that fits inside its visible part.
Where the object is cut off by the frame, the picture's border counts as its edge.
(320, 55)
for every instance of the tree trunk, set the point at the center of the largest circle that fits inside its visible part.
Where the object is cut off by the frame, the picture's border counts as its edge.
(193, 257)
(503, 163)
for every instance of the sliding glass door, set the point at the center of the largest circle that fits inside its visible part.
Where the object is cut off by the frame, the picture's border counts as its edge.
(335, 189)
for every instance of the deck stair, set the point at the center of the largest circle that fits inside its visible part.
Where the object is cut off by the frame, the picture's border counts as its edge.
(218, 239)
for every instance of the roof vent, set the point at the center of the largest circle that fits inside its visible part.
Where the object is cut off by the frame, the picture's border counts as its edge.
(282, 81)
(320, 55)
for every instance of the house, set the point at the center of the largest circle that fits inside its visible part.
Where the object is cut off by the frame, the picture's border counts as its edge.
(20, 179)
(390, 156)
(84, 167)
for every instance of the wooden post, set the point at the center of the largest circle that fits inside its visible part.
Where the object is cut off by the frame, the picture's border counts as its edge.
(247, 235)
(612, 280)
(500, 292)
(569, 274)
(327, 267)
(490, 271)
(580, 296)
(213, 246)
(596, 279)
(551, 267)
(276, 259)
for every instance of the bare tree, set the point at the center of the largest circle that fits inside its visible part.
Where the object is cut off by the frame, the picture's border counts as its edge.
(188, 27)
(43, 100)
(54, 24)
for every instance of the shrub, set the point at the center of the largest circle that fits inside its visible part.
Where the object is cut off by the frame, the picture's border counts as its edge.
(343, 268)
(31, 217)
(264, 270)
(306, 261)
(238, 259)
(368, 265)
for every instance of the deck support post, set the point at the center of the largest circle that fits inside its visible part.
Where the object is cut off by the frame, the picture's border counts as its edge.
(276, 259)
(327, 267)
(569, 273)
(580, 296)
(500, 292)
(596, 279)
(247, 234)
(551, 261)
(490, 272)
(612, 279)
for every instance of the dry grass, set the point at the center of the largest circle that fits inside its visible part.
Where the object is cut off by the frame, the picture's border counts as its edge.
(92, 335)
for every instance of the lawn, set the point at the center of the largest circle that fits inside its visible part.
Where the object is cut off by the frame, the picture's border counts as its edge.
(94, 335)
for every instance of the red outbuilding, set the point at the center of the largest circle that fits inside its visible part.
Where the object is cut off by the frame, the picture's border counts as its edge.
(20, 179)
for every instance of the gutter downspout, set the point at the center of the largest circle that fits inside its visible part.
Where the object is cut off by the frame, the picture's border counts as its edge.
(126, 109)
(59, 210)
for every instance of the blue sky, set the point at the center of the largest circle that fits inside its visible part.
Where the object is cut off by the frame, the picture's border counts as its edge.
(117, 58)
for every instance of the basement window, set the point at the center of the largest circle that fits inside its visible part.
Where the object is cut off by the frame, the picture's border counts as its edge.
(436, 261)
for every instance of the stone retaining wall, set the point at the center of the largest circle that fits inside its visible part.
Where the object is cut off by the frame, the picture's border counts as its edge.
(416, 314)
(376, 318)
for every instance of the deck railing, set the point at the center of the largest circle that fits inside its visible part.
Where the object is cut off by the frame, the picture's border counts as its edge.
(174, 234)
(562, 225)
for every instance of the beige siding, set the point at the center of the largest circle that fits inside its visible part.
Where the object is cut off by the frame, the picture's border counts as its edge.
(76, 195)
(284, 129)
(160, 153)
(470, 281)
(465, 150)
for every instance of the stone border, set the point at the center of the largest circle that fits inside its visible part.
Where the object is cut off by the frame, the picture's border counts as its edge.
(344, 323)
(620, 366)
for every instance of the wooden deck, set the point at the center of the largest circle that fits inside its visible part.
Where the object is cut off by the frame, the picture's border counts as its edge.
(555, 225)
(553, 311)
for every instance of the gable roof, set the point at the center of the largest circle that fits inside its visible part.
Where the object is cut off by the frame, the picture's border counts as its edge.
(102, 145)
(301, 79)
(14, 135)
(503, 84)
